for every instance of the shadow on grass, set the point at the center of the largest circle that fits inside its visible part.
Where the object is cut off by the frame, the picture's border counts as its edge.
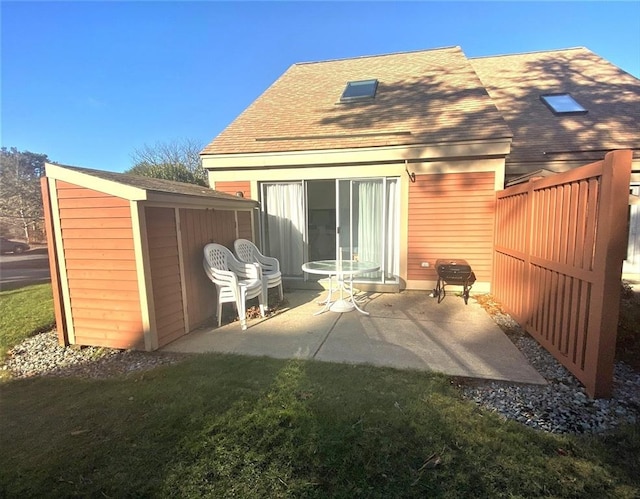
(220, 426)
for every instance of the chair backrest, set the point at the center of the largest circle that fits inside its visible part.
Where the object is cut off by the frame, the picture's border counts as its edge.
(218, 256)
(245, 250)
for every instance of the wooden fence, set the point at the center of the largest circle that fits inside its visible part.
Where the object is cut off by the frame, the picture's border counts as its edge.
(559, 246)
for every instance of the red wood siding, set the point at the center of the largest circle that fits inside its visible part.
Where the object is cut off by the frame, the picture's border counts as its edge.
(164, 266)
(99, 257)
(243, 186)
(451, 215)
(199, 227)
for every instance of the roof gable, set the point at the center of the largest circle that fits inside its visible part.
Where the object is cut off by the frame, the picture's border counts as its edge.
(610, 96)
(425, 97)
(137, 187)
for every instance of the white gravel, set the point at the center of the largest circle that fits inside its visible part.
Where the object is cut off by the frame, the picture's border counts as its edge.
(562, 406)
(40, 355)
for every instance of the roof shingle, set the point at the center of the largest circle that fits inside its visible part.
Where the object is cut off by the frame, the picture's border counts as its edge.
(610, 95)
(423, 97)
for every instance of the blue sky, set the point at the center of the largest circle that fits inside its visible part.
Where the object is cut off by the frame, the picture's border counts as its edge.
(89, 82)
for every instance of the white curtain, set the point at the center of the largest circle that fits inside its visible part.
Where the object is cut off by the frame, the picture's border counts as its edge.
(632, 263)
(284, 224)
(370, 227)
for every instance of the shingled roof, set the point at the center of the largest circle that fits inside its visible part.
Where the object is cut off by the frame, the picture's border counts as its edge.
(150, 184)
(610, 95)
(423, 97)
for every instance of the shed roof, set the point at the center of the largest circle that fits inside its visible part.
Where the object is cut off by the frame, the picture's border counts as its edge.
(610, 95)
(423, 97)
(139, 188)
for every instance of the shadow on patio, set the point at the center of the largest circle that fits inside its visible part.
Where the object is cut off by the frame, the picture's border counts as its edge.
(407, 330)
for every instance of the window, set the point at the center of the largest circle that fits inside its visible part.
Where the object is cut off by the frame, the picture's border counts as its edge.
(359, 90)
(562, 104)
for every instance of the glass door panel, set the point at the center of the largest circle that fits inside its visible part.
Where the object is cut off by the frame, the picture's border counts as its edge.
(361, 222)
(284, 222)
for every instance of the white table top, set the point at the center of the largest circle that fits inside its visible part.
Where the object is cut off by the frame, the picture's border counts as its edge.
(342, 267)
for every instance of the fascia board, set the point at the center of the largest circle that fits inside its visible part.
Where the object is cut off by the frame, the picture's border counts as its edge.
(95, 183)
(498, 147)
(184, 201)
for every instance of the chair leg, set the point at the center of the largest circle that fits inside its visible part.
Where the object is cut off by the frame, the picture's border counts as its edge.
(242, 313)
(262, 300)
(219, 313)
(281, 291)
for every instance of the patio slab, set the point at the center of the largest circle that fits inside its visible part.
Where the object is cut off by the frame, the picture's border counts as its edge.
(407, 330)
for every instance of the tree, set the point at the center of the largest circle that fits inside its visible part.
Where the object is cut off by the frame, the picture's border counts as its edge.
(177, 160)
(21, 210)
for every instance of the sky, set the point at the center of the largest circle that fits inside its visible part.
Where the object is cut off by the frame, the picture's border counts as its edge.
(87, 82)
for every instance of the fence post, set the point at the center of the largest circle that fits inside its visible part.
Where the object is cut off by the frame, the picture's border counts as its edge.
(609, 254)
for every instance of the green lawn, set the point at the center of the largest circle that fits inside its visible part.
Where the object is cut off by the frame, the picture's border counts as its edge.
(24, 312)
(234, 426)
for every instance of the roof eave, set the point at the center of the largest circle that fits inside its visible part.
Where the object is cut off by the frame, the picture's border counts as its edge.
(98, 184)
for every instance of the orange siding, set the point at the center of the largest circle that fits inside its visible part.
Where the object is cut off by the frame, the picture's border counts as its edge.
(232, 188)
(164, 265)
(101, 270)
(199, 227)
(451, 216)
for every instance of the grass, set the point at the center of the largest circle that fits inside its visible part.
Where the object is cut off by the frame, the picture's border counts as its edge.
(233, 426)
(25, 312)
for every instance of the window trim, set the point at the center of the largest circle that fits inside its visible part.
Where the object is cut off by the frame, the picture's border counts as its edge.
(557, 112)
(358, 98)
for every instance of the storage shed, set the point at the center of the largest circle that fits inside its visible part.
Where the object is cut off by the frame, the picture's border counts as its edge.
(126, 254)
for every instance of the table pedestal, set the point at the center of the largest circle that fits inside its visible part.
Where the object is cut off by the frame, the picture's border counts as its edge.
(347, 301)
(342, 270)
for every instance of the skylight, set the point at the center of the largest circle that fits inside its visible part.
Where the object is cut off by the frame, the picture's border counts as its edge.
(562, 104)
(359, 90)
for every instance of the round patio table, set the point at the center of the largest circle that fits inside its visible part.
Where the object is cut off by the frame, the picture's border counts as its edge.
(341, 270)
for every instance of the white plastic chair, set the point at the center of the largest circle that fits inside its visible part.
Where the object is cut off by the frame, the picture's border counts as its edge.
(236, 282)
(247, 252)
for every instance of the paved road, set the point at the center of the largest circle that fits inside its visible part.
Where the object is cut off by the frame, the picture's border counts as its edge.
(31, 267)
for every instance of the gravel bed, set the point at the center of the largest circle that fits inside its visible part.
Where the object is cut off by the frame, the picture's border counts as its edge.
(40, 355)
(561, 406)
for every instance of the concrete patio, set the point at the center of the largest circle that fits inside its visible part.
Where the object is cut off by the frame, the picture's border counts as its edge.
(407, 330)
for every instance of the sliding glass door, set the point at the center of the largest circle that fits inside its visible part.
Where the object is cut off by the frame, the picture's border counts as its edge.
(368, 225)
(352, 219)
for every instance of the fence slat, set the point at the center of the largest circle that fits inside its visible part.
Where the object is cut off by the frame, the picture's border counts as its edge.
(559, 246)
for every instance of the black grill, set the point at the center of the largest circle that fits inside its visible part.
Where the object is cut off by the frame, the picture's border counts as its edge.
(456, 273)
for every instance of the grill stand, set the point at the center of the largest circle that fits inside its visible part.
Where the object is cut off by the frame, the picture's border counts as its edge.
(453, 273)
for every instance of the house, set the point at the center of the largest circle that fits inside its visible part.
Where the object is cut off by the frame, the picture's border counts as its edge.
(396, 158)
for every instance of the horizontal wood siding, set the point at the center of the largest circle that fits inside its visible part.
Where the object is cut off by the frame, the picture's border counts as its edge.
(164, 264)
(198, 228)
(243, 186)
(451, 216)
(244, 225)
(99, 257)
